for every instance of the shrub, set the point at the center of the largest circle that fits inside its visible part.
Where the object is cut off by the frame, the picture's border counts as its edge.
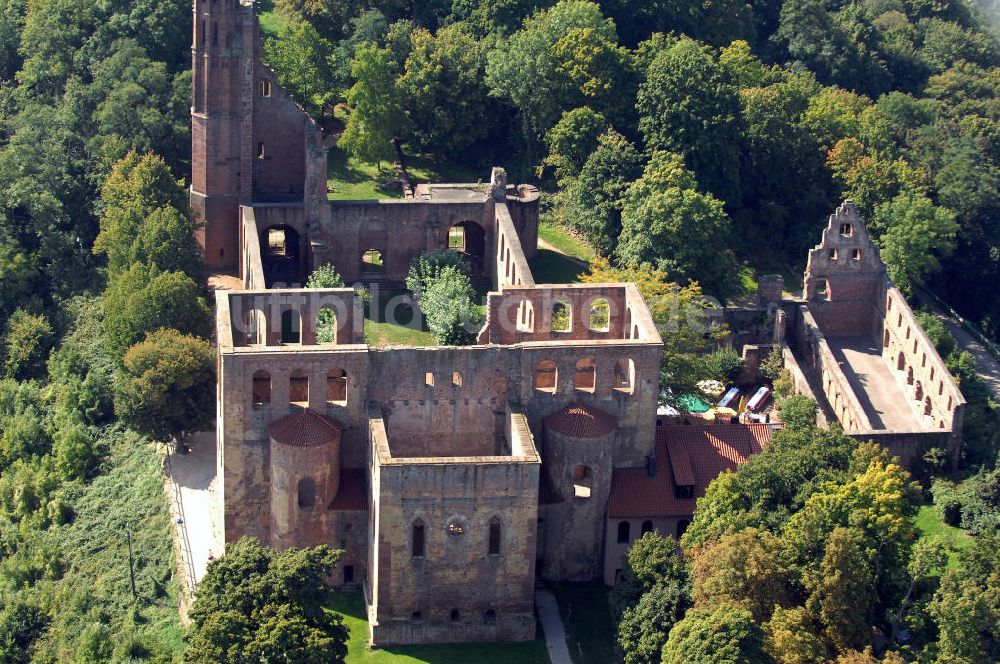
(448, 303)
(27, 344)
(798, 411)
(429, 266)
(723, 365)
(773, 365)
(325, 276)
(947, 502)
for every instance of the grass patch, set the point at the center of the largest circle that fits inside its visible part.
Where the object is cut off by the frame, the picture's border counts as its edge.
(351, 607)
(932, 527)
(389, 321)
(351, 179)
(589, 627)
(271, 23)
(550, 267)
(426, 168)
(566, 241)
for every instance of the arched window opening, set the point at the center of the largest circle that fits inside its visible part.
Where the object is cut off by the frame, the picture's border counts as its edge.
(647, 527)
(455, 616)
(899, 321)
(822, 289)
(682, 526)
(525, 316)
(494, 536)
(855, 254)
(254, 327)
(307, 494)
(888, 304)
(885, 339)
(624, 376)
(900, 361)
(490, 617)
(291, 327)
(469, 239)
(583, 481)
(265, 88)
(456, 379)
(336, 387)
(907, 332)
(298, 388)
(918, 391)
(940, 388)
(326, 326)
(600, 315)
(624, 528)
(846, 230)
(371, 262)
(260, 151)
(927, 406)
(833, 254)
(562, 316)
(417, 539)
(585, 378)
(261, 388)
(546, 376)
(909, 375)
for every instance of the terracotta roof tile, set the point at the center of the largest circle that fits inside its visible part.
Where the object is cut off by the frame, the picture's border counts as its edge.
(352, 496)
(305, 428)
(709, 451)
(579, 421)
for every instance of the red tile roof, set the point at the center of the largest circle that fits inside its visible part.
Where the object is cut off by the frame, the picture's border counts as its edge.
(352, 496)
(691, 455)
(305, 428)
(579, 421)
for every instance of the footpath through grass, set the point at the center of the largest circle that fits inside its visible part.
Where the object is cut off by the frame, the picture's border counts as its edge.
(933, 528)
(589, 628)
(351, 607)
(565, 241)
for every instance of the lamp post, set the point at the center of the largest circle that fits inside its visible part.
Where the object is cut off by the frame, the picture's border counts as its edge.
(131, 564)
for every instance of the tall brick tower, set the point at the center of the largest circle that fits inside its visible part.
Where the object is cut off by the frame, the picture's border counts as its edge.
(216, 119)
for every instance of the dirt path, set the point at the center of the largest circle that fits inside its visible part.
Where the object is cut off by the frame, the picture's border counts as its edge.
(542, 244)
(986, 365)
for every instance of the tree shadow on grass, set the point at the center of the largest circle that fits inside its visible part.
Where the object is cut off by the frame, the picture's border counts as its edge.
(550, 267)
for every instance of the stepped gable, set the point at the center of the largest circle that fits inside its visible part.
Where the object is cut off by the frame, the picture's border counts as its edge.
(580, 421)
(305, 428)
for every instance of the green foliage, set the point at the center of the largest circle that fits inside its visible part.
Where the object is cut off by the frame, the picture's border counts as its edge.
(773, 364)
(652, 560)
(594, 198)
(27, 343)
(325, 276)
(144, 300)
(917, 232)
(966, 607)
(302, 59)
(671, 226)
(841, 591)
(563, 57)
(166, 386)
(723, 635)
(449, 305)
(447, 99)
(376, 105)
(144, 218)
(798, 411)
(572, 140)
(723, 365)
(427, 268)
(256, 602)
(643, 629)
(688, 106)
(974, 504)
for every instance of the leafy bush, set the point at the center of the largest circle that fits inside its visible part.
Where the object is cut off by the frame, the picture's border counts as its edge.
(773, 364)
(947, 502)
(325, 276)
(27, 344)
(448, 303)
(798, 411)
(723, 365)
(429, 266)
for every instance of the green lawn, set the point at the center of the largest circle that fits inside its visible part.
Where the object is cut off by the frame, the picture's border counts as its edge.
(589, 626)
(929, 522)
(425, 168)
(550, 267)
(351, 179)
(565, 241)
(351, 607)
(381, 333)
(271, 23)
